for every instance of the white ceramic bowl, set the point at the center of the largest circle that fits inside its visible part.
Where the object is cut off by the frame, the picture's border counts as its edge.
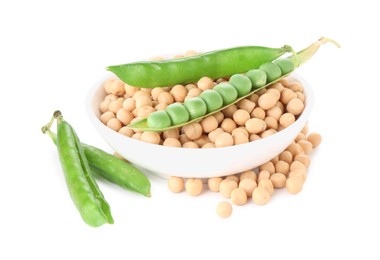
(194, 162)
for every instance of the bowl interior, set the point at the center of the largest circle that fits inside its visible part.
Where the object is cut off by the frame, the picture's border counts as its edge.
(194, 162)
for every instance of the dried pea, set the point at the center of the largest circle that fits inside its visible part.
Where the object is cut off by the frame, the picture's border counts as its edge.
(260, 196)
(238, 196)
(224, 209)
(213, 183)
(176, 184)
(194, 186)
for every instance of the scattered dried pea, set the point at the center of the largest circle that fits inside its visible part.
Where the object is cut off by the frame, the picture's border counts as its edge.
(263, 174)
(176, 184)
(233, 177)
(261, 196)
(303, 158)
(226, 186)
(282, 167)
(248, 175)
(267, 184)
(294, 185)
(306, 146)
(224, 209)
(278, 180)
(248, 185)
(238, 196)
(268, 166)
(315, 139)
(213, 184)
(194, 186)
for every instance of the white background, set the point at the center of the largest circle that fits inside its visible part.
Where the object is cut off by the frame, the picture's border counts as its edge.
(52, 52)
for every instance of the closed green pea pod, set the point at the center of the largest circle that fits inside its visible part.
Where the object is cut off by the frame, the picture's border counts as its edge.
(159, 119)
(177, 113)
(212, 99)
(242, 84)
(258, 78)
(196, 107)
(227, 91)
(272, 70)
(84, 191)
(112, 168)
(116, 170)
(214, 64)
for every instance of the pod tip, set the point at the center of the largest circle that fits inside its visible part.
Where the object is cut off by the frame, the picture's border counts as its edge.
(325, 39)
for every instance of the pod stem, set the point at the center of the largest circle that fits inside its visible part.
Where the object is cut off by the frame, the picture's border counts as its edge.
(46, 128)
(304, 55)
(52, 135)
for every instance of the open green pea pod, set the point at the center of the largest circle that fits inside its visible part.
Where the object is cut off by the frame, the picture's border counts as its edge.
(223, 95)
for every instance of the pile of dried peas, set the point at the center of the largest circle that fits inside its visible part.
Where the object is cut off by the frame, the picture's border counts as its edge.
(262, 114)
(286, 170)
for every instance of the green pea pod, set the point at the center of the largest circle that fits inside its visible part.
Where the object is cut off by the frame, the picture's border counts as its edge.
(214, 64)
(116, 170)
(294, 61)
(84, 191)
(113, 169)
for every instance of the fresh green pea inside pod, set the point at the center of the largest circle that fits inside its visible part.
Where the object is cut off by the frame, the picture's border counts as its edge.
(258, 78)
(286, 65)
(272, 70)
(244, 84)
(178, 113)
(213, 99)
(228, 92)
(196, 106)
(159, 119)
